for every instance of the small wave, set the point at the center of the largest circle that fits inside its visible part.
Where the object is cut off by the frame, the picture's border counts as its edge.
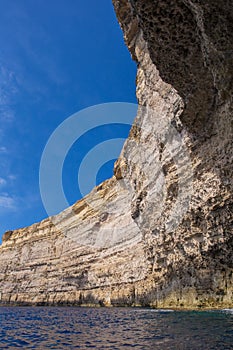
(154, 310)
(228, 311)
(162, 310)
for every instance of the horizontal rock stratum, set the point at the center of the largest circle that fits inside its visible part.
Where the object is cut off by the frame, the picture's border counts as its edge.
(128, 242)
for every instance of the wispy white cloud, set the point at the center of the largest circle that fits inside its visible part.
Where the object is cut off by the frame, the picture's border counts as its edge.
(8, 91)
(12, 177)
(7, 114)
(3, 149)
(2, 182)
(7, 202)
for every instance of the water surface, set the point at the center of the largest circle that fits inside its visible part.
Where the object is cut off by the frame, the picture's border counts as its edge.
(114, 328)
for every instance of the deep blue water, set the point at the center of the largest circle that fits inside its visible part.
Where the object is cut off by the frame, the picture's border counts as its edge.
(114, 328)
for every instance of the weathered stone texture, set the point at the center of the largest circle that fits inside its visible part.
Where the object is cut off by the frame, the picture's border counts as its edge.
(117, 248)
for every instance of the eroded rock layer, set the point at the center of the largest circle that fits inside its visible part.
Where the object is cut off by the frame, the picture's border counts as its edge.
(160, 232)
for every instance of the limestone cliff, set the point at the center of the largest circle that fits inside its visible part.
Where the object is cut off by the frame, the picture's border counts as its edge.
(121, 247)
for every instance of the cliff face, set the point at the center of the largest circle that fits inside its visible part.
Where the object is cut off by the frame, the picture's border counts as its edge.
(129, 242)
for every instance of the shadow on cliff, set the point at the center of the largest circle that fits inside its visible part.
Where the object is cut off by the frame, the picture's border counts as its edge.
(192, 47)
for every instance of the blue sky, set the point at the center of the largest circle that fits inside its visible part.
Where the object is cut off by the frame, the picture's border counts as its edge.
(56, 58)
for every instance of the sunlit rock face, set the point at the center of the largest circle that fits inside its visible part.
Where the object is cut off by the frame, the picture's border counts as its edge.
(160, 231)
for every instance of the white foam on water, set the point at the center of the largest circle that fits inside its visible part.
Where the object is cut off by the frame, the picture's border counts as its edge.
(154, 310)
(229, 311)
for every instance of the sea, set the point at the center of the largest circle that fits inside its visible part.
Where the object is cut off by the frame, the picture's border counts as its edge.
(114, 328)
